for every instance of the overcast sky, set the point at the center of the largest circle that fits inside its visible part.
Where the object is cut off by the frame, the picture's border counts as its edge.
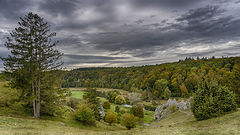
(132, 32)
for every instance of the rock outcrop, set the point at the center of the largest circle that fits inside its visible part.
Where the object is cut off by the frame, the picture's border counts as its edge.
(171, 106)
(101, 111)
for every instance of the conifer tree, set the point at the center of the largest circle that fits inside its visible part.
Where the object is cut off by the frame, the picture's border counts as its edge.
(32, 54)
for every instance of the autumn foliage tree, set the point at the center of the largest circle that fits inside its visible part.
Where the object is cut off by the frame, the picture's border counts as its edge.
(110, 118)
(128, 120)
(184, 90)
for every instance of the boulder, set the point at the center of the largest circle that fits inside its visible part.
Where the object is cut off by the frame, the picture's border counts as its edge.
(183, 105)
(163, 110)
(101, 111)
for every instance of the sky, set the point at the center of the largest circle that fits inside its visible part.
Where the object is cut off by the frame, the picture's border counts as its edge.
(120, 33)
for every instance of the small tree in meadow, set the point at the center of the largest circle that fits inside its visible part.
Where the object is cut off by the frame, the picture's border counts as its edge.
(106, 105)
(137, 111)
(110, 118)
(111, 96)
(120, 100)
(128, 120)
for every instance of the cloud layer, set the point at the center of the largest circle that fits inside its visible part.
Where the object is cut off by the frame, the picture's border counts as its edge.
(132, 33)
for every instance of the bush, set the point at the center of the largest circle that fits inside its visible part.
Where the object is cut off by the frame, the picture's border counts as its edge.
(149, 107)
(112, 95)
(73, 102)
(128, 120)
(106, 105)
(53, 102)
(68, 93)
(122, 111)
(173, 108)
(166, 93)
(137, 111)
(120, 100)
(212, 100)
(84, 114)
(8, 96)
(111, 118)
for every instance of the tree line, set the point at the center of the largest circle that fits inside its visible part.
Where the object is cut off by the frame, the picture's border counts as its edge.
(179, 79)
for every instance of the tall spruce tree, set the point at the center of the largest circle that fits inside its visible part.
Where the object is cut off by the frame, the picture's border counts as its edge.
(32, 55)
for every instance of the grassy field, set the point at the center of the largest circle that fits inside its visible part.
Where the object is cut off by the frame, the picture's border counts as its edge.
(78, 94)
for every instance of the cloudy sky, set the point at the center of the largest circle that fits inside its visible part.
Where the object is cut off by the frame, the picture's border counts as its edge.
(132, 32)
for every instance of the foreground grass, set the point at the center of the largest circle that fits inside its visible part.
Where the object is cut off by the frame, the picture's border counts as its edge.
(29, 126)
(183, 123)
(178, 123)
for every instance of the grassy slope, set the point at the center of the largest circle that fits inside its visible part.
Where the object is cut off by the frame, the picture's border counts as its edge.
(183, 123)
(178, 123)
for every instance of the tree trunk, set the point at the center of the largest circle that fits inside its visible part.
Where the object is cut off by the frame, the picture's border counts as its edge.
(34, 100)
(38, 99)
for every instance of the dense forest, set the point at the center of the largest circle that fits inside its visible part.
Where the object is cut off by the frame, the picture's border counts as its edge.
(181, 78)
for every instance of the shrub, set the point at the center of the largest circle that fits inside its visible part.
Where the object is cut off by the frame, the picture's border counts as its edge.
(117, 109)
(212, 100)
(53, 102)
(2, 78)
(112, 95)
(137, 111)
(84, 114)
(173, 108)
(166, 93)
(111, 118)
(73, 102)
(128, 120)
(106, 105)
(68, 93)
(122, 111)
(149, 107)
(8, 96)
(120, 100)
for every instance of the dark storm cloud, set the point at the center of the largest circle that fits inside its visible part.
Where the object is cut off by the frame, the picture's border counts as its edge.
(210, 22)
(55, 7)
(164, 3)
(13, 9)
(199, 24)
(132, 32)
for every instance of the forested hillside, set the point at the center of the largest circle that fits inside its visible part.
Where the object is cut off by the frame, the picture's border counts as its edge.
(181, 78)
